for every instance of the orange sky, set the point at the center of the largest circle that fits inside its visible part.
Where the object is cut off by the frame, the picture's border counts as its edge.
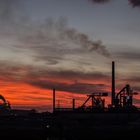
(21, 95)
(25, 96)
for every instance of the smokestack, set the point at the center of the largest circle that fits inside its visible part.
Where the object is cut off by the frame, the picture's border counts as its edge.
(113, 83)
(73, 104)
(53, 100)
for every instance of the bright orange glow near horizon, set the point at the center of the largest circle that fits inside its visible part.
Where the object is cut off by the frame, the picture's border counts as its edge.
(20, 94)
(25, 96)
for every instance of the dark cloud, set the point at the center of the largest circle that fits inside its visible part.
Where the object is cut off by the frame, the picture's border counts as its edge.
(12, 71)
(134, 79)
(134, 3)
(49, 60)
(76, 87)
(133, 55)
(79, 75)
(100, 1)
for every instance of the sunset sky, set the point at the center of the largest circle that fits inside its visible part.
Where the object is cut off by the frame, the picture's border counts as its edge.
(68, 45)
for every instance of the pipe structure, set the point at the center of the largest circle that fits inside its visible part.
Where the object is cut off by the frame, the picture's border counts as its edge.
(73, 104)
(113, 83)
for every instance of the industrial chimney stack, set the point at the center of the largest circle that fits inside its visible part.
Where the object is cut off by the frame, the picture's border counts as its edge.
(113, 83)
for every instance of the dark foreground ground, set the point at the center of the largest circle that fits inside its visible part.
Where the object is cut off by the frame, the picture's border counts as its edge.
(70, 127)
(80, 135)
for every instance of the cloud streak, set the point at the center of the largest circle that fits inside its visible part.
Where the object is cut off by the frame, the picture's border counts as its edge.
(83, 88)
(61, 80)
(135, 55)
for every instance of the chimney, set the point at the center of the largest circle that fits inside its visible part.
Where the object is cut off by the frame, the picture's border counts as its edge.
(113, 83)
(53, 100)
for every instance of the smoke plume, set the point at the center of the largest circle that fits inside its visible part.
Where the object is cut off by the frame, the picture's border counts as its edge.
(57, 35)
(46, 35)
(84, 41)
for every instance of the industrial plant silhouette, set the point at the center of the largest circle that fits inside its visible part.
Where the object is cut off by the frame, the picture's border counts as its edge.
(120, 119)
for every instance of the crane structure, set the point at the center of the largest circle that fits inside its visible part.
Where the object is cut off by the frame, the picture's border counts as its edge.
(96, 101)
(4, 105)
(124, 98)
